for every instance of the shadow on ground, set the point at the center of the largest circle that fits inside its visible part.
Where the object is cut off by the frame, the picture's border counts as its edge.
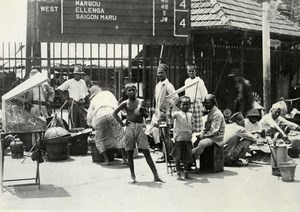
(46, 191)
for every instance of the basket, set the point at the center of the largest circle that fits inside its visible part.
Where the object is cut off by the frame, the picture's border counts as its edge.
(97, 157)
(57, 148)
(79, 144)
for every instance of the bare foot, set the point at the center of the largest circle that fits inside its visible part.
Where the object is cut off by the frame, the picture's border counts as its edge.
(125, 162)
(188, 177)
(158, 179)
(106, 163)
(133, 179)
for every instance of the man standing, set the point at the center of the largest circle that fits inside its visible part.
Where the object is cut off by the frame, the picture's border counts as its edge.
(214, 127)
(162, 105)
(236, 141)
(244, 99)
(78, 91)
(40, 98)
(196, 93)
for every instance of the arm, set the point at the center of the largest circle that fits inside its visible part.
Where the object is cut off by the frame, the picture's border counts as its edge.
(243, 133)
(50, 92)
(90, 114)
(143, 109)
(117, 110)
(63, 87)
(283, 121)
(214, 127)
(273, 124)
(202, 88)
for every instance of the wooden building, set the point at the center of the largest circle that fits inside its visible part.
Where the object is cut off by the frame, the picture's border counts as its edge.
(228, 33)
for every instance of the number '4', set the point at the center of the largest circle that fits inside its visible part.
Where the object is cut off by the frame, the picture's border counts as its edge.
(183, 4)
(182, 23)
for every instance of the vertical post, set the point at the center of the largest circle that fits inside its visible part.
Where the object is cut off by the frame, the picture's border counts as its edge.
(266, 55)
(130, 59)
(29, 34)
(37, 43)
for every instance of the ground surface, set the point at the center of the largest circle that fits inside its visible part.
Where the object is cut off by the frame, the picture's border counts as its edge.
(78, 184)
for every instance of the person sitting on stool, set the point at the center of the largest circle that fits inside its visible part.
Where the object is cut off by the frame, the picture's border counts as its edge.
(214, 129)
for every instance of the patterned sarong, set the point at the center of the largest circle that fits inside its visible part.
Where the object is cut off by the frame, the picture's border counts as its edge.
(109, 133)
(197, 116)
(182, 151)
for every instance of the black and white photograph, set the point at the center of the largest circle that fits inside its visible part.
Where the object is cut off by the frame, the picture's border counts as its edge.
(150, 105)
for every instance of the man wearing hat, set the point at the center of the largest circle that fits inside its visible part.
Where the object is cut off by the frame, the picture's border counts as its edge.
(236, 141)
(40, 98)
(77, 91)
(253, 126)
(162, 105)
(252, 121)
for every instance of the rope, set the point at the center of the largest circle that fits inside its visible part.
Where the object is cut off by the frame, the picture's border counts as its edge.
(57, 113)
(291, 100)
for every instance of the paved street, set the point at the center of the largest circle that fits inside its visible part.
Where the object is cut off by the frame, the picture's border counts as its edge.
(78, 184)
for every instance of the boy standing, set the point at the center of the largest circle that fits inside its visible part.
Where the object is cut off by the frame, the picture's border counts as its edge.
(182, 151)
(136, 112)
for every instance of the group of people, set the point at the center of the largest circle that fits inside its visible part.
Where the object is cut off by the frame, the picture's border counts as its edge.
(186, 112)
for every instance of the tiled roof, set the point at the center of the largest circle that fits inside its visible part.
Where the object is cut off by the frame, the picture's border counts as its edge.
(237, 14)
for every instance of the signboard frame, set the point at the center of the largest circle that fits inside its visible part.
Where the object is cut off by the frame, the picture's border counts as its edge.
(53, 21)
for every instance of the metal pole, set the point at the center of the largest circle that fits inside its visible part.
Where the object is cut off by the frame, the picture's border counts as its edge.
(266, 55)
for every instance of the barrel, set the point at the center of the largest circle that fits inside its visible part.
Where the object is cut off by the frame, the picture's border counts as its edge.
(57, 148)
(278, 155)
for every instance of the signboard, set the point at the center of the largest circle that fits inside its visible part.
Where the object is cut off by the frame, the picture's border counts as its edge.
(155, 21)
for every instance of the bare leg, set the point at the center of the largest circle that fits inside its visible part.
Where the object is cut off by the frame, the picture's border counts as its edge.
(131, 164)
(124, 156)
(106, 163)
(186, 172)
(178, 169)
(151, 164)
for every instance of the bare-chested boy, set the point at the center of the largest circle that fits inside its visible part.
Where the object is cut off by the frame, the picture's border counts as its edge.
(134, 134)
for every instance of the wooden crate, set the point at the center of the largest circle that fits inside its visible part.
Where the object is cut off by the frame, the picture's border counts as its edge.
(212, 159)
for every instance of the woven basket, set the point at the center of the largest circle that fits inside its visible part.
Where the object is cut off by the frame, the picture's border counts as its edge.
(57, 148)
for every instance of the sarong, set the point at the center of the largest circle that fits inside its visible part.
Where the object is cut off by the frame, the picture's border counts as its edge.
(109, 133)
(182, 151)
(197, 116)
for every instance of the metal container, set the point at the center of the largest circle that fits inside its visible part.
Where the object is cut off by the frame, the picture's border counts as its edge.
(278, 155)
(17, 148)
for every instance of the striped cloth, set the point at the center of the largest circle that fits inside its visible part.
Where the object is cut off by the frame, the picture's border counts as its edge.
(197, 116)
(109, 133)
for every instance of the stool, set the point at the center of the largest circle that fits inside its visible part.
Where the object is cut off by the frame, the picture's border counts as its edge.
(212, 159)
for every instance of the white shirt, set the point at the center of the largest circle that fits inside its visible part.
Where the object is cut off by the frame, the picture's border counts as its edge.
(77, 89)
(101, 99)
(199, 88)
(253, 128)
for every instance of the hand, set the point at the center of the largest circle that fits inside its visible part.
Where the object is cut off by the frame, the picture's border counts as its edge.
(201, 136)
(48, 104)
(80, 101)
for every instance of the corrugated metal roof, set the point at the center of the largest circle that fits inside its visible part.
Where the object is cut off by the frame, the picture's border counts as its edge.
(240, 14)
